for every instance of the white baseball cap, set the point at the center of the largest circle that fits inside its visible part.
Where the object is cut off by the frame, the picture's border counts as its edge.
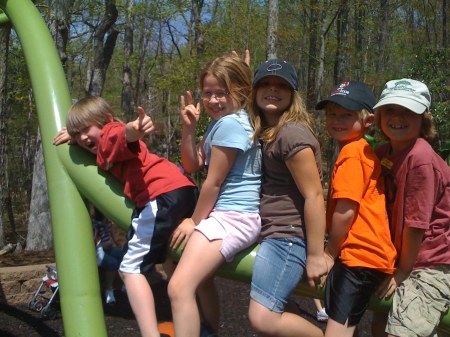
(411, 94)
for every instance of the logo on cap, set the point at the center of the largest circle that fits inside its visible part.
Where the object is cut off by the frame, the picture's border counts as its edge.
(274, 67)
(403, 85)
(340, 90)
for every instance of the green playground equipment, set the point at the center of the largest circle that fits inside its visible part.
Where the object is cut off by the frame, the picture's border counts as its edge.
(72, 175)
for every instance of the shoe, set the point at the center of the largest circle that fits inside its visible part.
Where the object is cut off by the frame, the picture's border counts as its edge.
(109, 296)
(322, 316)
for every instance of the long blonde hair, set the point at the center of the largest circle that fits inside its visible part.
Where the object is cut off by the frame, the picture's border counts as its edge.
(91, 110)
(295, 113)
(234, 74)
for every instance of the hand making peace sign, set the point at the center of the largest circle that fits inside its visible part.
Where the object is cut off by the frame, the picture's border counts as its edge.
(190, 113)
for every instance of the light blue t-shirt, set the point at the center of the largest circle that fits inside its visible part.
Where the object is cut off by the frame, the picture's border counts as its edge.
(241, 189)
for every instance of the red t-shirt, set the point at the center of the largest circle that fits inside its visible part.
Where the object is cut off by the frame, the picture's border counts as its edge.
(418, 196)
(357, 176)
(144, 175)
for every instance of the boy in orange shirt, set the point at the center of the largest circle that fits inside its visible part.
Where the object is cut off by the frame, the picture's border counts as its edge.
(359, 250)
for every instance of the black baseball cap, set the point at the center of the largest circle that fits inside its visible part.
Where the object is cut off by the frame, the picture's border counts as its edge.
(351, 95)
(279, 68)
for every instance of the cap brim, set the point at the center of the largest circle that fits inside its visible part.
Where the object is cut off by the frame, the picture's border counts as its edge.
(407, 103)
(343, 101)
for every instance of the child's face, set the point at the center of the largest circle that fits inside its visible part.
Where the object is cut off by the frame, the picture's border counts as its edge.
(273, 96)
(400, 125)
(344, 125)
(216, 98)
(89, 137)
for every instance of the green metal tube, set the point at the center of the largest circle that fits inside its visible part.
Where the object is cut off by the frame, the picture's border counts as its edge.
(74, 249)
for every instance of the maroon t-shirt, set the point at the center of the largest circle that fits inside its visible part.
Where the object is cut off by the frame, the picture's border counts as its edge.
(144, 175)
(417, 186)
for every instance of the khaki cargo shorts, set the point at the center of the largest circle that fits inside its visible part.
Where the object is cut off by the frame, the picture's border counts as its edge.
(419, 303)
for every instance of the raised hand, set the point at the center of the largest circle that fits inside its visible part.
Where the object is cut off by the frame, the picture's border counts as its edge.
(246, 56)
(140, 127)
(190, 113)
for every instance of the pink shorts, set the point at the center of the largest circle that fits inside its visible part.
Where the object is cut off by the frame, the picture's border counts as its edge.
(237, 230)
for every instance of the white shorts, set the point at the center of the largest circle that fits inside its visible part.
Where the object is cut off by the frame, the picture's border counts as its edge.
(237, 230)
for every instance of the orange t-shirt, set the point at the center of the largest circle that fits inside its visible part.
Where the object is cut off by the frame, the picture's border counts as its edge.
(356, 176)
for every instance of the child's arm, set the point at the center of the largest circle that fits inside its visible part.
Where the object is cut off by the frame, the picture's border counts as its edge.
(142, 126)
(222, 159)
(303, 169)
(192, 155)
(63, 137)
(411, 241)
(341, 222)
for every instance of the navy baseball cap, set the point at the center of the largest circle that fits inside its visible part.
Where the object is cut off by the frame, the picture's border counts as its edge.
(351, 95)
(279, 68)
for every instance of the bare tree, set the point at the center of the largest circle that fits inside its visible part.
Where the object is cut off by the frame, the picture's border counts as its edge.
(127, 97)
(382, 35)
(39, 234)
(4, 43)
(342, 32)
(199, 38)
(272, 30)
(444, 24)
(327, 22)
(312, 58)
(103, 49)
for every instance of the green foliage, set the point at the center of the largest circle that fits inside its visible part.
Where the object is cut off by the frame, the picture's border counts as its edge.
(432, 68)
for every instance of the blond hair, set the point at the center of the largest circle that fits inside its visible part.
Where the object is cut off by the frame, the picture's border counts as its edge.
(88, 111)
(234, 74)
(295, 113)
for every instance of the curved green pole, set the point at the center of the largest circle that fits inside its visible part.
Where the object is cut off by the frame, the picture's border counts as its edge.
(74, 250)
(69, 170)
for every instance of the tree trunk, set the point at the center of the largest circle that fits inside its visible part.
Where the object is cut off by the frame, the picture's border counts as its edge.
(444, 24)
(272, 30)
(341, 49)
(4, 44)
(382, 37)
(59, 27)
(312, 58)
(199, 38)
(103, 51)
(39, 236)
(327, 21)
(127, 94)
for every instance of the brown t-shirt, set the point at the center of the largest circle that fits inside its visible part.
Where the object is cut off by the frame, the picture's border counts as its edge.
(282, 205)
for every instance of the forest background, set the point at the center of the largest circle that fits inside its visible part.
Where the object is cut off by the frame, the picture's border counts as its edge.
(148, 53)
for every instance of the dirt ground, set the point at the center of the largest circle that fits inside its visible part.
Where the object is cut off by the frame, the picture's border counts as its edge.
(19, 321)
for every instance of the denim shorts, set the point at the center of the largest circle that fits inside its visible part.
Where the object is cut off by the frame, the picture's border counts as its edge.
(279, 266)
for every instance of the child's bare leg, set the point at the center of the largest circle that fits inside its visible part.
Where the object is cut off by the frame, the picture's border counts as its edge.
(199, 261)
(142, 302)
(286, 324)
(337, 329)
(208, 299)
